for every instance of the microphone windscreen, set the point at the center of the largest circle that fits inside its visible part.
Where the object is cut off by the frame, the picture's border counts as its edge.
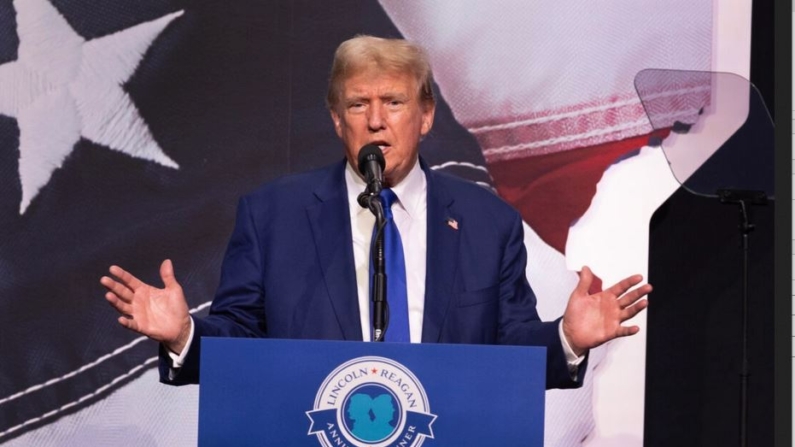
(370, 152)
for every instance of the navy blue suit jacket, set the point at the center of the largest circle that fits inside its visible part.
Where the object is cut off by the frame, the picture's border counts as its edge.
(289, 271)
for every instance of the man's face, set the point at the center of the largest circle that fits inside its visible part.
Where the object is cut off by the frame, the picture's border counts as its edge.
(384, 109)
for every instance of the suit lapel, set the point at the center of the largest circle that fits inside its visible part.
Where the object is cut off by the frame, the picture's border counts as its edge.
(442, 242)
(331, 229)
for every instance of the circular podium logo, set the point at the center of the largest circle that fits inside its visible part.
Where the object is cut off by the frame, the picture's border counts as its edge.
(371, 401)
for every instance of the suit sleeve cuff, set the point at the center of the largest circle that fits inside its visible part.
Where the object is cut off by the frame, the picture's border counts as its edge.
(177, 360)
(572, 360)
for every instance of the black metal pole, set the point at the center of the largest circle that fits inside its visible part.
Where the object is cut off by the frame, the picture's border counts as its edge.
(378, 283)
(745, 199)
(380, 320)
(745, 229)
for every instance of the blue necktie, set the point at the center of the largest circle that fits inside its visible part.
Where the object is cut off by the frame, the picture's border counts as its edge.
(396, 294)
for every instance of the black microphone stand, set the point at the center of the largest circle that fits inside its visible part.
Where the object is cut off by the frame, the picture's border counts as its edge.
(745, 199)
(372, 201)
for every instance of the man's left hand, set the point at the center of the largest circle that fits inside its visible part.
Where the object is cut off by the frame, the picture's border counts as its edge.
(591, 320)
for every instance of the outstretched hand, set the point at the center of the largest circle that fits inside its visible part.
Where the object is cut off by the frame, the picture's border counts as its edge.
(591, 320)
(160, 314)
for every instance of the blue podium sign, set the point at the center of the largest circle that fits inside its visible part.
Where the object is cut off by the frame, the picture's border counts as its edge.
(331, 393)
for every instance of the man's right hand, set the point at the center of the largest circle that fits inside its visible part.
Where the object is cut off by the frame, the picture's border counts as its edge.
(160, 314)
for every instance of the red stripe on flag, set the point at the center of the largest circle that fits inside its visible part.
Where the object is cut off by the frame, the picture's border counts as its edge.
(552, 191)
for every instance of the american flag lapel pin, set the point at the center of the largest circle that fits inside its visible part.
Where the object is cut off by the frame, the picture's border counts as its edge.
(453, 223)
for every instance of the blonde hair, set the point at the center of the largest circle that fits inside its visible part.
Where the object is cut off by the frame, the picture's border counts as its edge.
(391, 55)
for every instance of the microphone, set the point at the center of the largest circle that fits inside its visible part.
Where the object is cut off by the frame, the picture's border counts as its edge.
(371, 165)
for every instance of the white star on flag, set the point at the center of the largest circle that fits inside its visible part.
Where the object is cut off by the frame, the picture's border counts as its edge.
(62, 88)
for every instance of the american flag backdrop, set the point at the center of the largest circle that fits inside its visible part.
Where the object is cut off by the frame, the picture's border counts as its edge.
(129, 129)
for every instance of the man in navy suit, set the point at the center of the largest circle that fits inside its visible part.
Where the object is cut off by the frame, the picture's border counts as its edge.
(297, 264)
